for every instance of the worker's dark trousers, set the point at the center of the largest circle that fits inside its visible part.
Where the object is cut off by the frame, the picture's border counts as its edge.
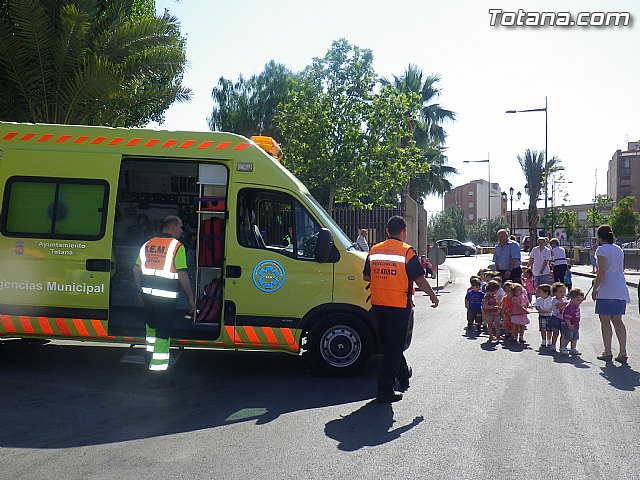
(393, 323)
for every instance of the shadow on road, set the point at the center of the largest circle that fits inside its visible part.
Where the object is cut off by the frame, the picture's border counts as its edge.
(368, 426)
(574, 360)
(61, 396)
(622, 377)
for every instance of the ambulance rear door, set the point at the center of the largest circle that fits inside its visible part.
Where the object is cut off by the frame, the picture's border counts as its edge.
(56, 232)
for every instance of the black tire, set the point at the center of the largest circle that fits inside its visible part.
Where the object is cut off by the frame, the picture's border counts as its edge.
(467, 253)
(339, 345)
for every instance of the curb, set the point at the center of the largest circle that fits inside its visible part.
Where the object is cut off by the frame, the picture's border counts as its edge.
(442, 285)
(592, 275)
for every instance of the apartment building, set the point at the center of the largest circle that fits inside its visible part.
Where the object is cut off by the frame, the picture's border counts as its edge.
(473, 199)
(623, 174)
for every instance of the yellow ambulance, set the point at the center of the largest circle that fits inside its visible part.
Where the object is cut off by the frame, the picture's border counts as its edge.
(270, 268)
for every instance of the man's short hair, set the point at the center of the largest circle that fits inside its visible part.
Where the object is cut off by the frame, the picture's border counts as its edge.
(396, 224)
(170, 221)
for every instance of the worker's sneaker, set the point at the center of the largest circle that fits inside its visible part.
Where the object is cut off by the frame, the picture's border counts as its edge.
(389, 397)
(564, 351)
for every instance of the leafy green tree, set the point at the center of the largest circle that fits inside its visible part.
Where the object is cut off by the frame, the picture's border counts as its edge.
(535, 174)
(478, 231)
(624, 220)
(566, 220)
(596, 216)
(89, 62)
(341, 138)
(427, 131)
(440, 226)
(581, 233)
(249, 107)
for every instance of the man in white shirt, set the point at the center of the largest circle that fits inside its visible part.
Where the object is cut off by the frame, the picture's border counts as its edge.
(361, 241)
(539, 259)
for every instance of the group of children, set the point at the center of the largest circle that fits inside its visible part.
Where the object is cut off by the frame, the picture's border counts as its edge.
(503, 309)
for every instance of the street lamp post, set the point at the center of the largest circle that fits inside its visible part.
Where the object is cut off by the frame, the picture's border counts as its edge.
(488, 195)
(518, 197)
(546, 146)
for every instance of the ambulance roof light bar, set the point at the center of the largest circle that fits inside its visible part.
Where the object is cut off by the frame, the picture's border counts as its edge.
(269, 145)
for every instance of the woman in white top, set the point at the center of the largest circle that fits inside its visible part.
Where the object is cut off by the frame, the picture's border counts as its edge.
(611, 293)
(559, 259)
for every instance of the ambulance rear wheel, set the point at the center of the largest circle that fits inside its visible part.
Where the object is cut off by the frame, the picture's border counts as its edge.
(339, 345)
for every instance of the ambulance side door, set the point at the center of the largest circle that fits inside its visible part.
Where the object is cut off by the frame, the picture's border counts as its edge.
(57, 224)
(271, 282)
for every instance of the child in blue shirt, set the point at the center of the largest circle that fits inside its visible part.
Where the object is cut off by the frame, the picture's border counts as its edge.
(473, 304)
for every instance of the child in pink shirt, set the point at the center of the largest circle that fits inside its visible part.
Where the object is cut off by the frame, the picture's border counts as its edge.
(570, 326)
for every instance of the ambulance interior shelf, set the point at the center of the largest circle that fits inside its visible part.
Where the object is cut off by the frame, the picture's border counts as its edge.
(212, 214)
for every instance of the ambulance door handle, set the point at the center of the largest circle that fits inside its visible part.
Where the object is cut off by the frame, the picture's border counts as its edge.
(98, 265)
(234, 271)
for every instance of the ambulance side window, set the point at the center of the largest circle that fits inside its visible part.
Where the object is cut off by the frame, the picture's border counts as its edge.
(275, 221)
(61, 208)
(306, 230)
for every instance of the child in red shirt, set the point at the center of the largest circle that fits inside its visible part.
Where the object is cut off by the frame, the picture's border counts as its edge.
(491, 311)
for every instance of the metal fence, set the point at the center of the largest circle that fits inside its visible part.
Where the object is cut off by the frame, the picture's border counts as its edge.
(351, 220)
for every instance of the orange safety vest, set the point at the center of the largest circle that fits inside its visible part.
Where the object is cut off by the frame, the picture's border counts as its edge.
(159, 274)
(390, 284)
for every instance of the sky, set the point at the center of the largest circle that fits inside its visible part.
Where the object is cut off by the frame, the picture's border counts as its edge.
(590, 75)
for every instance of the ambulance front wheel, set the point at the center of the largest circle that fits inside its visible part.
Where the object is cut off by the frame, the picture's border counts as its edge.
(339, 345)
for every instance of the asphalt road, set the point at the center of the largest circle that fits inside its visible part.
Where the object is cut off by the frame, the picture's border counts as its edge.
(473, 411)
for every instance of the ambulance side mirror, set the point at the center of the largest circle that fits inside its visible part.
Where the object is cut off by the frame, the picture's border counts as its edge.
(324, 246)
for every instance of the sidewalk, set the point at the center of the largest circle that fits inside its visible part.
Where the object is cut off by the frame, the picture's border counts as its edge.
(444, 277)
(632, 277)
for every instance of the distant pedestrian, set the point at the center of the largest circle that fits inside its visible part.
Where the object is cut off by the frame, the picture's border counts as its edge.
(426, 265)
(543, 306)
(539, 259)
(559, 259)
(506, 308)
(568, 278)
(519, 317)
(527, 281)
(361, 241)
(506, 256)
(392, 267)
(611, 293)
(491, 311)
(558, 302)
(473, 304)
(570, 327)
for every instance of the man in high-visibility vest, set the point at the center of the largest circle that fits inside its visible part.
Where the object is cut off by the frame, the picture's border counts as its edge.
(160, 272)
(392, 266)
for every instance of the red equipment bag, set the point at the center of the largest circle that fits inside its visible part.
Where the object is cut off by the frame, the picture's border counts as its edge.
(211, 243)
(210, 304)
(212, 204)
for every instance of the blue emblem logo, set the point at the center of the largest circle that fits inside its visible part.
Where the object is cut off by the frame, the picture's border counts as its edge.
(268, 276)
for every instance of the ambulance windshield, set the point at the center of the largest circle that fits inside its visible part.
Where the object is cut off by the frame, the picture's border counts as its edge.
(339, 235)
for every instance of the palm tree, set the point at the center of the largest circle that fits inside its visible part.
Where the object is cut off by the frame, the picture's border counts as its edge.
(427, 131)
(89, 62)
(536, 174)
